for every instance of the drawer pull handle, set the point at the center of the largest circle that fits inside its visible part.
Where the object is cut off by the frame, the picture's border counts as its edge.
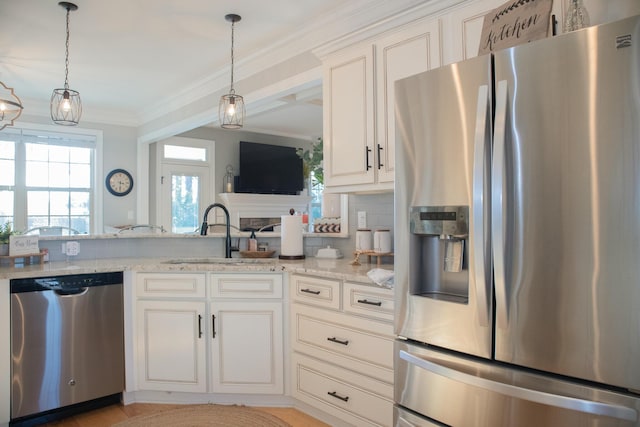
(365, 301)
(213, 325)
(309, 291)
(337, 396)
(199, 326)
(336, 340)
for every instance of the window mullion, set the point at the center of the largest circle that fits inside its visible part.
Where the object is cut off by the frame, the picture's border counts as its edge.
(20, 194)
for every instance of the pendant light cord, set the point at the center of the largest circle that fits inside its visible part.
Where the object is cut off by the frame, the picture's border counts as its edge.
(233, 24)
(66, 60)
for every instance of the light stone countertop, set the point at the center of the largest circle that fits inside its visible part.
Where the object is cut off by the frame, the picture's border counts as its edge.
(330, 268)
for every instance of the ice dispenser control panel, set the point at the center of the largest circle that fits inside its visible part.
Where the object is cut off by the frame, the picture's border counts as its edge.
(450, 221)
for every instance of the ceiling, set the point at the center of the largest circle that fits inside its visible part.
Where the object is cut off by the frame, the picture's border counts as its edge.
(130, 57)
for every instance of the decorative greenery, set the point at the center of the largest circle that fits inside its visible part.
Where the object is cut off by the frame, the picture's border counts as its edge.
(5, 232)
(312, 160)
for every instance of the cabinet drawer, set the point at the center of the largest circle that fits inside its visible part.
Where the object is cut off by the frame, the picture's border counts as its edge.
(355, 398)
(244, 285)
(171, 285)
(336, 335)
(368, 301)
(316, 291)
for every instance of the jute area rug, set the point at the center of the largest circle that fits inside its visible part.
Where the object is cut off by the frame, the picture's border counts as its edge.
(206, 415)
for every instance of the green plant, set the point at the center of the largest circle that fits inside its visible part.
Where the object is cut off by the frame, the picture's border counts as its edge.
(312, 160)
(5, 232)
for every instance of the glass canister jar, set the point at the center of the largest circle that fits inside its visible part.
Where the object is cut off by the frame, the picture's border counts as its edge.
(577, 16)
(227, 185)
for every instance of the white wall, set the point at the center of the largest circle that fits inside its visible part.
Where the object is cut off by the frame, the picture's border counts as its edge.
(119, 152)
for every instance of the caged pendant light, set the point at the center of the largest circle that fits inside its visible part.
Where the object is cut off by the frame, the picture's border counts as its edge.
(10, 107)
(66, 106)
(231, 108)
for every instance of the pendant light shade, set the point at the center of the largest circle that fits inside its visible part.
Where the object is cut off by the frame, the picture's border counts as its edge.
(10, 106)
(66, 106)
(231, 109)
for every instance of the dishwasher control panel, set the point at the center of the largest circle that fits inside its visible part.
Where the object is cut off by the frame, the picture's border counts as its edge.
(70, 283)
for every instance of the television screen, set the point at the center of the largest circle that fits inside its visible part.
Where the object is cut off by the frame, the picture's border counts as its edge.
(269, 169)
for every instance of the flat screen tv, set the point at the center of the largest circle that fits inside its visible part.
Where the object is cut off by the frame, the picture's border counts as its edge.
(269, 169)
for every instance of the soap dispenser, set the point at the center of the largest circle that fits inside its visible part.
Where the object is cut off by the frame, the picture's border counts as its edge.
(253, 242)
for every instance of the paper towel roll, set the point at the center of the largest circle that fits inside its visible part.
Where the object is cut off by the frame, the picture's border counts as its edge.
(291, 236)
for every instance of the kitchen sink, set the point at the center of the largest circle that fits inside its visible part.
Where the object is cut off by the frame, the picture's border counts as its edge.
(221, 261)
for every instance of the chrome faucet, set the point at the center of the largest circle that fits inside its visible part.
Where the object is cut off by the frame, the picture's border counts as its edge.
(205, 226)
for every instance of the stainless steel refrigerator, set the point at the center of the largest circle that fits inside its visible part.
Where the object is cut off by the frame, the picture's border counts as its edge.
(518, 236)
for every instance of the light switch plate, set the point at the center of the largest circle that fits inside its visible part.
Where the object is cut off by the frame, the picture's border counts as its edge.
(362, 219)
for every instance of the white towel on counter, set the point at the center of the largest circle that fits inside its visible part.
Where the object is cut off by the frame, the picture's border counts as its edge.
(381, 277)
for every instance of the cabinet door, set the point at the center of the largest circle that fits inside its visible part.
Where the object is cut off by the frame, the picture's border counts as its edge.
(463, 27)
(246, 350)
(412, 50)
(171, 346)
(349, 118)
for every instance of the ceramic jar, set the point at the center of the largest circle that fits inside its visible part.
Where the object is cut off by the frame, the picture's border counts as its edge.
(364, 240)
(382, 241)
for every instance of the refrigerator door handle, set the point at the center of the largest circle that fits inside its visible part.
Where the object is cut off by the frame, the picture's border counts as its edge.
(482, 140)
(498, 204)
(559, 401)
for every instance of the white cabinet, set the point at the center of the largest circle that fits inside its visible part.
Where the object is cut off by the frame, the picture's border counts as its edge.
(410, 51)
(348, 113)
(358, 93)
(342, 340)
(170, 313)
(247, 341)
(462, 27)
(238, 316)
(172, 347)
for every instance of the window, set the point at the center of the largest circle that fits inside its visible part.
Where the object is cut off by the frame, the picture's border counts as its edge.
(185, 182)
(47, 179)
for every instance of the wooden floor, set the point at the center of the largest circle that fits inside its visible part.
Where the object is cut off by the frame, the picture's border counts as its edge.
(113, 414)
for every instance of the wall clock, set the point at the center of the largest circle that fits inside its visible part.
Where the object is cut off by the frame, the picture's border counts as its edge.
(119, 182)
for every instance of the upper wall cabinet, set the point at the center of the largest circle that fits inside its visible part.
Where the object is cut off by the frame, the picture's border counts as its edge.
(462, 27)
(359, 122)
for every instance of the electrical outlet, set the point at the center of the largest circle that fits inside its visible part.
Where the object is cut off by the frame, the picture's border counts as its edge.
(362, 219)
(73, 248)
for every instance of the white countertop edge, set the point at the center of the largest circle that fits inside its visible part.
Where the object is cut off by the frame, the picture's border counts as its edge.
(331, 268)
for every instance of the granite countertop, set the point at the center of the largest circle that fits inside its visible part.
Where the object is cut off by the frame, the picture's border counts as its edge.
(331, 268)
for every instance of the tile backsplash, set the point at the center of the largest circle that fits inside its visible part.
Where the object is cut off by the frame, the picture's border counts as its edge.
(380, 214)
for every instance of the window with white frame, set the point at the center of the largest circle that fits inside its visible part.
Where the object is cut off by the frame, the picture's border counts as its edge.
(47, 180)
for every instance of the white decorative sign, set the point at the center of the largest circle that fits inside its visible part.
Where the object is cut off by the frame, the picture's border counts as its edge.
(23, 245)
(514, 23)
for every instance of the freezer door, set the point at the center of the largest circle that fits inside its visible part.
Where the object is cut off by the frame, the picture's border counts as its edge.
(566, 204)
(443, 130)
(469, 392)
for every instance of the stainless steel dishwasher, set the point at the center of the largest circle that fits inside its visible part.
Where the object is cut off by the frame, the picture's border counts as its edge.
(67, 341)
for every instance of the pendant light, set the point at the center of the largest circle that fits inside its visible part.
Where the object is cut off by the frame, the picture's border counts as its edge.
(10, 107)
(66, 106)
(231, 109)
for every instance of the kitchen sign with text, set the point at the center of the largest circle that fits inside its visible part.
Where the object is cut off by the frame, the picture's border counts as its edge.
(23, 245)
(514, 23)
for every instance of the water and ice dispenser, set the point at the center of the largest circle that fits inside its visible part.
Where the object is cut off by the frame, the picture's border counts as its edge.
(439, 252)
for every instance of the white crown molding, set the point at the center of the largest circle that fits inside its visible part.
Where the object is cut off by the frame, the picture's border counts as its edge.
(331, 30)
(412, 11)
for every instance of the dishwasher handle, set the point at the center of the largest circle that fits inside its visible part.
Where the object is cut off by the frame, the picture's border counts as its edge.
(73, 292)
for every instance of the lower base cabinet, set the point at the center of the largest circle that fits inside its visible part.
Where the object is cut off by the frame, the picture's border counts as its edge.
(352, 397)
(237, 316)
(172, 349)
(342, 340)
(246, 347)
